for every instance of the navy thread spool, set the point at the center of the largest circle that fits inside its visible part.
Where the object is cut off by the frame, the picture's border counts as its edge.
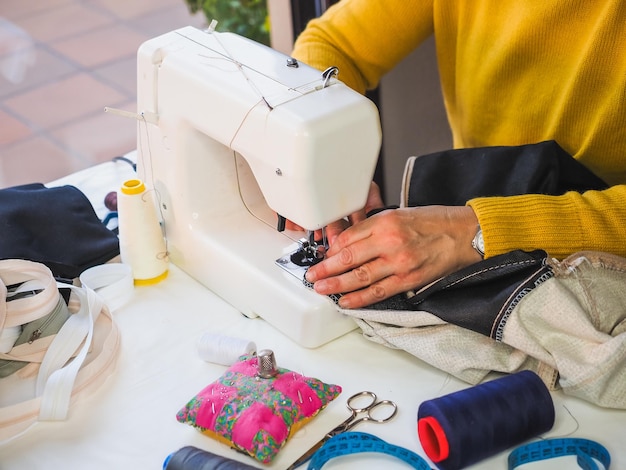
(192, 458)
(465, 427)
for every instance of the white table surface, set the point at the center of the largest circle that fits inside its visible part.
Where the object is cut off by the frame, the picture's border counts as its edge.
(129, 423)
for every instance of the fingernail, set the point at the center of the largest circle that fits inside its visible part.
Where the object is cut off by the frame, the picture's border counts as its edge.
(321, 287)
(310, 276)
(344, 303)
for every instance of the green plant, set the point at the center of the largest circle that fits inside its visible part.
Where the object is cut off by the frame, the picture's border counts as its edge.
(247, 18)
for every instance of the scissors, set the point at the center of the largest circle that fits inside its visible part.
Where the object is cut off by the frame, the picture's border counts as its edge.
(370, 409)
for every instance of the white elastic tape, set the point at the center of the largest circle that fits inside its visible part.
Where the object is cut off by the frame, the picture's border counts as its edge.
(55, 382)
(8, 337)
(114, 285)
(22, 311)
(112, 281)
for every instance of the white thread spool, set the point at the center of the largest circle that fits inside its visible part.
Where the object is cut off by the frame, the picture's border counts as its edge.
(223, 350)
(142, 245)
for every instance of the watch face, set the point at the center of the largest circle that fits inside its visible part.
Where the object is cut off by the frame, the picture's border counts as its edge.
(480, 242)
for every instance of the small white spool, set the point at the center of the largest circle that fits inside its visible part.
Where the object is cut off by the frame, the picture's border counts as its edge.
(142, 245)
(223, 350)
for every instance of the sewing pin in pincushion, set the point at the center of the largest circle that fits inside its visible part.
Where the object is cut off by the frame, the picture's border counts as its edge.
(267, 364)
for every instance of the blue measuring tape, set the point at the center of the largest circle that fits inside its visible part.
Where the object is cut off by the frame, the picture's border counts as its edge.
(348, 443)
(584, 450)
(356, 442)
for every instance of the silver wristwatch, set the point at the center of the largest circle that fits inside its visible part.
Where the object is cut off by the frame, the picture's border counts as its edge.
(478, 243)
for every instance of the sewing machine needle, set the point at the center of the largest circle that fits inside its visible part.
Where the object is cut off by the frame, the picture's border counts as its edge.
(324, 238)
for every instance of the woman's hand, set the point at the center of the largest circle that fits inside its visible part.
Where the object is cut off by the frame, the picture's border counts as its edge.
(395, 251)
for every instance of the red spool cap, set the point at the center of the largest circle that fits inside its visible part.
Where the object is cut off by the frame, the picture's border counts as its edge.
(433, 439)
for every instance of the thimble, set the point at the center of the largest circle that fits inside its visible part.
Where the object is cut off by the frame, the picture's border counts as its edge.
(267, 364)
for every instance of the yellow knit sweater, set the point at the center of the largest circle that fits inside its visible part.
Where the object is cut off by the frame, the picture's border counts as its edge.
(512, 72)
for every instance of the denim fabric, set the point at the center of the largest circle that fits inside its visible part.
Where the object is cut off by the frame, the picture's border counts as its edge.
(481, 296)
(453, 177)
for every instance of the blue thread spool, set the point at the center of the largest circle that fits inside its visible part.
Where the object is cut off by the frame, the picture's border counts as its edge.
(464, 427)
(192, 458)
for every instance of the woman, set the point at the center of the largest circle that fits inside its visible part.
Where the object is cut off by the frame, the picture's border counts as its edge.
(512, 73)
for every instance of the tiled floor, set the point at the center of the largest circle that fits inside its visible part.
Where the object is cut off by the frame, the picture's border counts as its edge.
(61, 63)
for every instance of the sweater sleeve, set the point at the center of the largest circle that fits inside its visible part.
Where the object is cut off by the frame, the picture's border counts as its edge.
(364, 39)
(561, 225)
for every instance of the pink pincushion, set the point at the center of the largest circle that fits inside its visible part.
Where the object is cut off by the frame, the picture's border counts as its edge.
(253, 414)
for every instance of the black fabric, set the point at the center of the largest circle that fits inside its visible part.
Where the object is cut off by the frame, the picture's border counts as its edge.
(54, 226)
(482, 296)
(494, 285)
(453, 177)
(479, 297)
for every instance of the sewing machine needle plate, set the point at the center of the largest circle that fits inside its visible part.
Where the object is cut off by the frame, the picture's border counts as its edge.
(292, 268)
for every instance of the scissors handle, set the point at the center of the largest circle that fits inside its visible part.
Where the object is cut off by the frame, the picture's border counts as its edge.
(354, 411)
(368, 409)
(353, 400)
(383, 403)
(369, 416)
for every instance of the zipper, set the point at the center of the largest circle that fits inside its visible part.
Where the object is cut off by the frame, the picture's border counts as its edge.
(23, 294)
(36, 334)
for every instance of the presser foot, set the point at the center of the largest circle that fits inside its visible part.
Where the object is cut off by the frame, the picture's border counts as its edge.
(297, 262)
(306, 255)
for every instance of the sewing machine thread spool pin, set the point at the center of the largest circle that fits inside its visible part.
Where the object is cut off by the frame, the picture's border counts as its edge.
(211, 27)
(330, 72)
(267, 364)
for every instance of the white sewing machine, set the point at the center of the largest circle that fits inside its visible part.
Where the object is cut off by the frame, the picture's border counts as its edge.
(221, 116)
